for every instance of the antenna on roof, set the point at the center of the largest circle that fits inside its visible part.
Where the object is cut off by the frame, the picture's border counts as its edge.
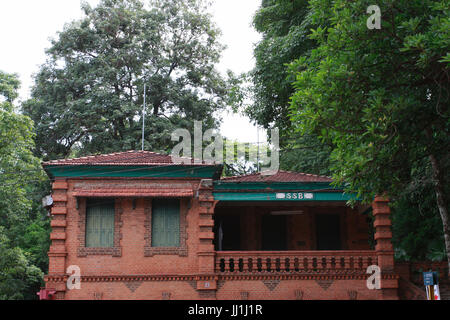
(143, 118)
(257, 152)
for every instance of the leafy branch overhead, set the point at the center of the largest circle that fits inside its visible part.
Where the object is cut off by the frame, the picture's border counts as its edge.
(375, 95)
(380, 97)
(370, 106)
(284, 26)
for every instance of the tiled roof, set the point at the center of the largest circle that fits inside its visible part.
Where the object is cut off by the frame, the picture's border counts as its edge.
(126, 158)
(280, 176)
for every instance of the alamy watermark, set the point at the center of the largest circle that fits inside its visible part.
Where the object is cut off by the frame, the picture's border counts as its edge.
(74, 280)
(374, 280)
(267, 158)
(374, 21)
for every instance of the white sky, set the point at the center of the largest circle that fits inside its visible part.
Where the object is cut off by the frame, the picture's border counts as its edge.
(27, 25)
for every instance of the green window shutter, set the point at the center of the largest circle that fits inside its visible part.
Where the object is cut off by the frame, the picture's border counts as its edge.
(100, 223)
(166, 223)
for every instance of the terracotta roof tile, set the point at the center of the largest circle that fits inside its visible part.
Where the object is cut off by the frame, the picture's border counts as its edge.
(126, 158)
(280, 176)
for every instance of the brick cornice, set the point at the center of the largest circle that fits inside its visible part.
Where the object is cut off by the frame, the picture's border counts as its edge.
(58, 236)
(60, 185)
(217, 277)
(381, 198)
(120, 278)
(57, 254)
(58, 223)
(59, 210)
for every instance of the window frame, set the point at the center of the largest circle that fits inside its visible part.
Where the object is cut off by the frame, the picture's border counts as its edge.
(181, 250)
(91, 238)
(116, 249)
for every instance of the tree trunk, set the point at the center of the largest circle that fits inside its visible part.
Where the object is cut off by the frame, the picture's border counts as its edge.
(442, 204)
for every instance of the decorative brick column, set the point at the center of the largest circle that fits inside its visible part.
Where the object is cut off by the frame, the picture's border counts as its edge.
(57, 253)
(206, 252)
(383, 248)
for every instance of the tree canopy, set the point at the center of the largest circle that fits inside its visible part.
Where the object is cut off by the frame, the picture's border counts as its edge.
(380, 96)
(18, 166)
(88, 96)
(306, 44)
(284, 26)
(23, 234)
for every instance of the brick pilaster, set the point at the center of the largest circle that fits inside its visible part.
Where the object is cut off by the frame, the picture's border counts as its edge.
(206, 252)
(57, 253)
(383, 248)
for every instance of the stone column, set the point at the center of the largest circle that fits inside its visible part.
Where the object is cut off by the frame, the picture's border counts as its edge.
(383, 248)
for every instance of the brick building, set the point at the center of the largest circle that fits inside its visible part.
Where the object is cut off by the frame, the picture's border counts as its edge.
(139, 226)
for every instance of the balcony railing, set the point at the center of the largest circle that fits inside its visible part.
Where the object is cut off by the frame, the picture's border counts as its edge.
(293, 261)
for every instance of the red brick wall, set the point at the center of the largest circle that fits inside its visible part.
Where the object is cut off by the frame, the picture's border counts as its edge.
(132, 275)
(299, 231)
(357, 229)
(297, 289)
(132, 260)
(268, 289)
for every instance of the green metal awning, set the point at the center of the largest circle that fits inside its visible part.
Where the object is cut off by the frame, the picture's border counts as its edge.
(282, 196)
(135, 171)
(279, 191)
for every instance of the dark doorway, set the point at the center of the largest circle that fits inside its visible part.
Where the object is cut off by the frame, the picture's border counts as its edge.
(274, 232)
(328, 232)
(227, 230)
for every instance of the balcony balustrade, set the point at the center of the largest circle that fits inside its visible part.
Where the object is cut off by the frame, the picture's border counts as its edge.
(245, 262)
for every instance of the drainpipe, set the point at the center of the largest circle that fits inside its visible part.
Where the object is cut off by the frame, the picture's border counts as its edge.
(46, 294)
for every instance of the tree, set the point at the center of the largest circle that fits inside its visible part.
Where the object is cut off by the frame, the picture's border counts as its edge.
(23, 233)
(242, 154)
(416, 226)
(19, 279)
(19, 168)
(284, 25)
(380, 97)
(88, 97)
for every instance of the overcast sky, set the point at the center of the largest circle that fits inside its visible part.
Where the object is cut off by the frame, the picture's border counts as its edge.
(27, 25)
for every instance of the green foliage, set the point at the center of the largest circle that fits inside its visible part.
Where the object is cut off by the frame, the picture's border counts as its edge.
(359, 94)
(18, 167)
(35, 242)
(284, 26)
(241, 155)
(19, 279)
(380, 97)
(417, 228)
(24, 236)
(9, 83)
(305, 153)
(88, 97)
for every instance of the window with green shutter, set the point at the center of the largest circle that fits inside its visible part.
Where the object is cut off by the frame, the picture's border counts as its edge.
(100, 223)
(166, 223)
